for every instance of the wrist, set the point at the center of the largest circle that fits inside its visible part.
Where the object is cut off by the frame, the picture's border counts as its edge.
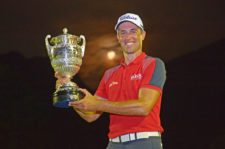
(98, 105)
(84, 112)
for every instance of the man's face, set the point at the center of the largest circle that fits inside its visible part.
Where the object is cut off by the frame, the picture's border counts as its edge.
(130, 37)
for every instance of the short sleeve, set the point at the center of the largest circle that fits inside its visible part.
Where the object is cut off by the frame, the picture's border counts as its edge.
(154, 75)
(159, 74)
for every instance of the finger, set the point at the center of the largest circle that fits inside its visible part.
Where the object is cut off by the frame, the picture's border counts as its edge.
(77, 106)
(58, 84)
(74, 103)
(58, 75)
(85, 91)
(77, 68)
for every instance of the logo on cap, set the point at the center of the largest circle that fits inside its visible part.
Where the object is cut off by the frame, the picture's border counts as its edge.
(127, 18)
(130, 17)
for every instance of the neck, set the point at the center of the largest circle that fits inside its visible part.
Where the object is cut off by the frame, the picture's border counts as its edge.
(129, 57)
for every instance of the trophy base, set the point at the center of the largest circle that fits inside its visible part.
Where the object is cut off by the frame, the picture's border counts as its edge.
(66, 94)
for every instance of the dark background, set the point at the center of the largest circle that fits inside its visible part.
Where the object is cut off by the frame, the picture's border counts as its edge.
(189, 37)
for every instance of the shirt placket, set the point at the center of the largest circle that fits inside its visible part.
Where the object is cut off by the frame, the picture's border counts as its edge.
(124, 81)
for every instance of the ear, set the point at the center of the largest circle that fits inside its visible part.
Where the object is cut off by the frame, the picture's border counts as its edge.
(117, 35)
(143, 34)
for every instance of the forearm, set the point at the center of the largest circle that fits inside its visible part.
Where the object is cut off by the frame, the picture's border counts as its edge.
(141, 107)
(131, 107)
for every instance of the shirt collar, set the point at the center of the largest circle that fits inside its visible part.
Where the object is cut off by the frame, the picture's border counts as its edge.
(137, 60)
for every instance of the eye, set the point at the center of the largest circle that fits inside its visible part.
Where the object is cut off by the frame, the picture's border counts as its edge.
(122, 32)
(133, 31)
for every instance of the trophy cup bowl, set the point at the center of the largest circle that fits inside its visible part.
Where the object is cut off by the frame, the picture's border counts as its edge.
(65, 53)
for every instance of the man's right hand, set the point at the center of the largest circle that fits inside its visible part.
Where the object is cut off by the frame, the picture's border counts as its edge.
(61, 80)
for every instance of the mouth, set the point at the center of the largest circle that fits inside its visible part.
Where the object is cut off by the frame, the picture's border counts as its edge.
(129, 43)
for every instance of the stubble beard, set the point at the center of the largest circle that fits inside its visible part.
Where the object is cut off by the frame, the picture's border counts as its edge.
(130, 49)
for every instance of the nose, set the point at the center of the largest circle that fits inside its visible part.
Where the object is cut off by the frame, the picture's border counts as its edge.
(128, 35)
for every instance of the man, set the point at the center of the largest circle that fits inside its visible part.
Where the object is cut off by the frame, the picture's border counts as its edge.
(131, 92)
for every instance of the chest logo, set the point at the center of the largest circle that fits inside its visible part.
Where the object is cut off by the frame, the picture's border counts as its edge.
(136, 76)
(113, 83)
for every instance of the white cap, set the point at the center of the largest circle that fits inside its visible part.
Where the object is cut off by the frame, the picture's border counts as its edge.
(130, 17)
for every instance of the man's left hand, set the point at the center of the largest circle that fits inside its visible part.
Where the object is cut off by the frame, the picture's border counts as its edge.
(89, 102)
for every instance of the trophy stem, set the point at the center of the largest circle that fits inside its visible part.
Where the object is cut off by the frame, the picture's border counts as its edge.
(65, 94)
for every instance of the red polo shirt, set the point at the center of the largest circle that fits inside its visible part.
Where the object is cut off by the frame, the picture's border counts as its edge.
(123, 82)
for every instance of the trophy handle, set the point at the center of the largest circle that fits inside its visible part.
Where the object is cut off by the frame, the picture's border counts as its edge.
(83, 45)
(48, 46)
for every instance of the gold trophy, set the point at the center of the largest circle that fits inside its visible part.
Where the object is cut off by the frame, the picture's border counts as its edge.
(65, 52)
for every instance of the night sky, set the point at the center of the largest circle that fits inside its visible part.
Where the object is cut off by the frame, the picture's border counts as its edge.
(176, 31)
(174, 28)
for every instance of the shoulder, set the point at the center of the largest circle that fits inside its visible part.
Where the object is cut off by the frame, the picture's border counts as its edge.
(113, 69)
(153, 61)
(110, 71)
